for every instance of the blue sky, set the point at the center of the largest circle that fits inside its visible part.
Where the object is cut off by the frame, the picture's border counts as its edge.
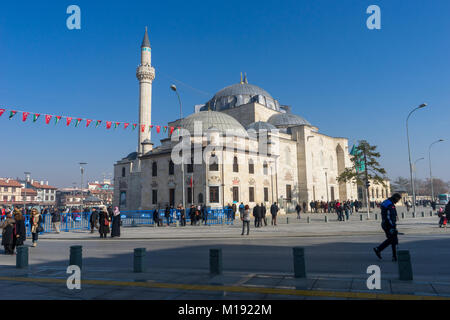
(317, 56)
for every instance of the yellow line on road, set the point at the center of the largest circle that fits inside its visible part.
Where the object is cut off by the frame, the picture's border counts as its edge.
(239, 289)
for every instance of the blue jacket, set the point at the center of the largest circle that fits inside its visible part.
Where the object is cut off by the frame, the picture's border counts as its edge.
(389, 213)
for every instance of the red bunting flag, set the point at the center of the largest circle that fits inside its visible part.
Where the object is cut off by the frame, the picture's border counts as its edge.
(69, 120)
(171, 130)
(142, 127)
(88, 122)
(12, 114)
(25, 116)
(158, 129)
(108, 124)
(36, 116)
(47, 118)
(1, 111)
(125, 125)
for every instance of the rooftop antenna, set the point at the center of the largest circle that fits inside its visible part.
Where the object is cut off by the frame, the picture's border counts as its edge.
(245, 78)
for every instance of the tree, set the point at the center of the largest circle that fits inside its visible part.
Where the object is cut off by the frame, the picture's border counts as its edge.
(365, 167)
(401, 184)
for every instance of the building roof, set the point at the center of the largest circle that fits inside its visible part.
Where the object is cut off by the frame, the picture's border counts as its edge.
(287, 120)
(145, 41)
(37, 185)
(211, 120)
(261, 125)
(240, 94)
(28, 192)
(9, 183)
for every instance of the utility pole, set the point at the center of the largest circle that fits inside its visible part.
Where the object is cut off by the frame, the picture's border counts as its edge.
(366, 173)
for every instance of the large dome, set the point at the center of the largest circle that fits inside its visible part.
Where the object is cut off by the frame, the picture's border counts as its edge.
(240, 94)
(287, 120)
(211, 120)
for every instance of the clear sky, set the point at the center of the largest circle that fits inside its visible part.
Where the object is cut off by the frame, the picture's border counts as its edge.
(317, 56)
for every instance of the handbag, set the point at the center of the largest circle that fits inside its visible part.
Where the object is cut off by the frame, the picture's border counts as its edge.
(39, 229)
(106, 222)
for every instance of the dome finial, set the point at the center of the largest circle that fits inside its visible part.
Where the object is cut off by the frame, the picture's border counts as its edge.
(245, 78)
(241, 79)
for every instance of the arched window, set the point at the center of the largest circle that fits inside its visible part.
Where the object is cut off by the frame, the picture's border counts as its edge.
(265, 168)
(213, 163)
(251, 167)
(123, 172)
(377, 193)
(171, 168)
(154, 169)
(200, 198)
(373, 193)
(382, 193)
(190, 166)
(235, 165)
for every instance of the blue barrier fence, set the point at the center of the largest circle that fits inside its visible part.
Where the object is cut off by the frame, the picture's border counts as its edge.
(81, 221)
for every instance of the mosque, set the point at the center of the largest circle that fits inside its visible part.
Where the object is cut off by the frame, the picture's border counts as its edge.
(271, 154)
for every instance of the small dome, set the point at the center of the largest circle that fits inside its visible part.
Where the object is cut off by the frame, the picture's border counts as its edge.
(211, 120)
(131, 156)
(261, 125)
(239, 94)
(287, 120)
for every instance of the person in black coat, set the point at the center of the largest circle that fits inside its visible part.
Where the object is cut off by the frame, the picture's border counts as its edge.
(104, 220)
(167, 215)
(94, 220)
(20, 233)
(298, 209)
(115, 229)
(258, 215)
(274, 211)
(8, 234)
(263, 214)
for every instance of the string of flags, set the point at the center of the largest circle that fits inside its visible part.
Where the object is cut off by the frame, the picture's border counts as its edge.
(48, 118)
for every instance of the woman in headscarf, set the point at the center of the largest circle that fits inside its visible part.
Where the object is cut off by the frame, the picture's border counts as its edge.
(8, 233)
(104, 220)
(115, 230)
(35, 225)
(20, 234)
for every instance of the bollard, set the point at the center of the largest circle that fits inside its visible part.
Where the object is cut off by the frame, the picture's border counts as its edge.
(403, 215)
(376, 216)
(360, 217)
(287, 220)
(431, 213)
(404, 265)
(76, 256)
(326, 219)
(414, 215)
(215, 261)
(299, 262)
(139, 260)
(307, 220)
(423, 214)
(22, 257)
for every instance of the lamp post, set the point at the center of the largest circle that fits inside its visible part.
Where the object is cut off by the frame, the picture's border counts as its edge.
(27, 174)
(174, 88)
(431, 175)
(409, 155)
(326, 182)
(82, 173)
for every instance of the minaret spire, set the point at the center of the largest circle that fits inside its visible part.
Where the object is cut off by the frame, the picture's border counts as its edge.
(145, 73)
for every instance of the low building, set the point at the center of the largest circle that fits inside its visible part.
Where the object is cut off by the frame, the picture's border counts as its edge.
(10, 192)
(46, 195)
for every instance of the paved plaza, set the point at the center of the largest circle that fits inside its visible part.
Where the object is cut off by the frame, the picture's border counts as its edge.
(258, 266)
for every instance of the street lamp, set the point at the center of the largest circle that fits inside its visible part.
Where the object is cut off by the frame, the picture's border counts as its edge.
(174, 88)
(415, 171)
(82, 173)
(27, 175)
(326, 182)
(423, 105)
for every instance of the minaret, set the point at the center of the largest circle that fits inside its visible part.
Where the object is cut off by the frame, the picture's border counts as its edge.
(145, 74)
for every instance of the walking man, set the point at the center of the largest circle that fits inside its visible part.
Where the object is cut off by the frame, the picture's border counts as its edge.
(274, 211)
(298, 209)
(245, 217)
(389, 225)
